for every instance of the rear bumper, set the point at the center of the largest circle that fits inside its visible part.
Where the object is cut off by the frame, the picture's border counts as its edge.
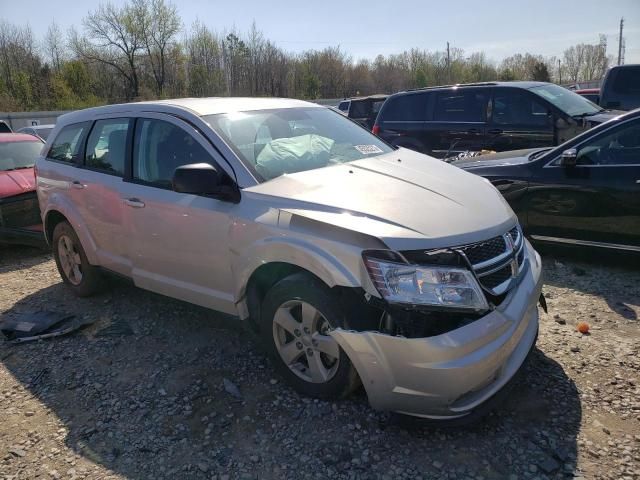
(450, 375)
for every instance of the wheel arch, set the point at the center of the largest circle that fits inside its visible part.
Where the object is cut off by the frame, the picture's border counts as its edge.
(53, 218)
(261, 280)
(54, 215)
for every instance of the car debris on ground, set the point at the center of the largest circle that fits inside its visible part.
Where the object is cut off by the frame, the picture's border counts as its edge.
(155, 403)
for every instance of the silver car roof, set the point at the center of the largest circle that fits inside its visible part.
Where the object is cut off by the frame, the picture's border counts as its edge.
(196, 106)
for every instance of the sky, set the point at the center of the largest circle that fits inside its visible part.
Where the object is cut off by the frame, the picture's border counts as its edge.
(365, 29)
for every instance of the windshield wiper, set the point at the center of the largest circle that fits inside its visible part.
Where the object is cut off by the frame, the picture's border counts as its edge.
(588, 114)
(535, 155)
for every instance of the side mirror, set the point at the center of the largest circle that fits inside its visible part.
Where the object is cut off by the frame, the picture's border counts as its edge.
(569, 158)
(203, 179)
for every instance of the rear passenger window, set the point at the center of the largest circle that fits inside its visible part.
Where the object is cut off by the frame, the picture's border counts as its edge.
(512, 107)
(106, 147)
(67, 147)
(406, 108)
(460, 106)
(627, 80)
(159, 148)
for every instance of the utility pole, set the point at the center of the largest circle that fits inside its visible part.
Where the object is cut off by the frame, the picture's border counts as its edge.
(620, 42)
(448, 64)
(559, 73)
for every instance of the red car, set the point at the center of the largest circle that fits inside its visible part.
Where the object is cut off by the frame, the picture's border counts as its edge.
(20, 220)
(592, 94)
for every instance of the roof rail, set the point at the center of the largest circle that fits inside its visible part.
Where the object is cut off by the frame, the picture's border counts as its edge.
(479, 84)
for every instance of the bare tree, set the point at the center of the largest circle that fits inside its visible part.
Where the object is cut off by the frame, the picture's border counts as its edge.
(54, 46)
(114, 38)
(204, 62)
(595, 60)
(133, 50)
(573, 61)
(159, 24)
(20, 67)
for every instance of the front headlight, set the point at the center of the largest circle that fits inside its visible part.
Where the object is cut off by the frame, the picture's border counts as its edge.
(426, 285)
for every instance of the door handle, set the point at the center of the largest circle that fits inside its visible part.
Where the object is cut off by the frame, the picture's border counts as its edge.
(78, 185)
(495, 131)
(134, 202)
(473, 131)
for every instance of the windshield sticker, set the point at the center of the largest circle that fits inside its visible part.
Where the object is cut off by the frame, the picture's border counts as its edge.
(367, 149)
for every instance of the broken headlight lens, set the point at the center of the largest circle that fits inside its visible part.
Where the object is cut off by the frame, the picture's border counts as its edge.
(426, 285)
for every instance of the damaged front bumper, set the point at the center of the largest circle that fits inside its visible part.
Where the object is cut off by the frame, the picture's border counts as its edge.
(449, 375)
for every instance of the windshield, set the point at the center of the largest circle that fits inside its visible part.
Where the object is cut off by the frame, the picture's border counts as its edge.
(289, 140)
(44, 132)
(566, 100)
(14, 155)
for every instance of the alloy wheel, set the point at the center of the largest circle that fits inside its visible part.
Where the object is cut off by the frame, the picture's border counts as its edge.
(70, 260)
(300, 333)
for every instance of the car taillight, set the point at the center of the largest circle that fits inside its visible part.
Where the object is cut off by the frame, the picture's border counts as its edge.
(376, 129)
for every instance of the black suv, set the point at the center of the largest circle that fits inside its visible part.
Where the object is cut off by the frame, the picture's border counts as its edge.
(495, 116)
(363, 110)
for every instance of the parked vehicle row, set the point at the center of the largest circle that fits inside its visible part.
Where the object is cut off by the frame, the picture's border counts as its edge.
(425, 291)
(19, 213)
(584, 192)
(355, 262)
(620, 89)
(363, 110)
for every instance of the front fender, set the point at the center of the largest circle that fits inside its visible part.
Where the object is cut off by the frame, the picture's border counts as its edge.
(330, 269)
(61, 204)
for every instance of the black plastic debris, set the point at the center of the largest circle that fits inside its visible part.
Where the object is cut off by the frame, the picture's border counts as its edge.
(231, 389)
(117, 328)
(27, 327)
(543, 302)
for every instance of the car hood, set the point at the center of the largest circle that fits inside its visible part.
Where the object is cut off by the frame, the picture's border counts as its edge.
(405, 199)
(15, 182)
(500, 159)
(602, 117)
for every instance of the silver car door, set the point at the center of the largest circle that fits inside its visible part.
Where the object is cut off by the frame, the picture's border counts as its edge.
(99, 184)
(178, 242)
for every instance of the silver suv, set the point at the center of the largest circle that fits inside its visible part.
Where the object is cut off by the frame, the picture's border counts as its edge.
(355, 262)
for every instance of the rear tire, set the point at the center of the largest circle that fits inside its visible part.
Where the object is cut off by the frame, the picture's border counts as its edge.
(296, 315)
(76, 271)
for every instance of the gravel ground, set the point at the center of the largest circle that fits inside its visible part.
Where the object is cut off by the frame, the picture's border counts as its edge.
(157, 388)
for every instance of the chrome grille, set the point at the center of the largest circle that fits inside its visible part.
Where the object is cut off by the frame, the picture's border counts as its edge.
(497, 262)
(492, 280)
(481, 252)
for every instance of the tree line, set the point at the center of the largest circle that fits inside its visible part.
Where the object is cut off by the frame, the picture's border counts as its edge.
(142, 50)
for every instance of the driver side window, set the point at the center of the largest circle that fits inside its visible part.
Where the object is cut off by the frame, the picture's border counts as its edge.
(159, 148)
(621, 146)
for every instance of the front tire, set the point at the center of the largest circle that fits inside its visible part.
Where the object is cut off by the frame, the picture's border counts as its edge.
(76, 271)
(296, 315)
